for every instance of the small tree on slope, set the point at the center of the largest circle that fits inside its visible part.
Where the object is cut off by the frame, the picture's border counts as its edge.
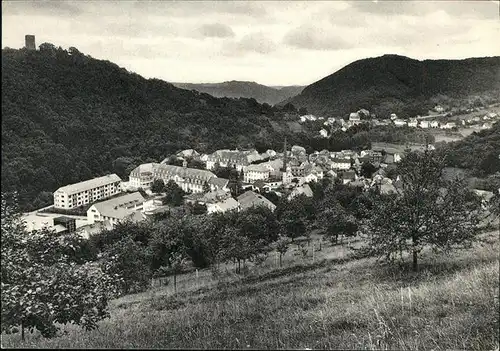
(427, 210)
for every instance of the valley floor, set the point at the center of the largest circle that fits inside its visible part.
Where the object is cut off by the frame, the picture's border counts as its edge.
(333, 303)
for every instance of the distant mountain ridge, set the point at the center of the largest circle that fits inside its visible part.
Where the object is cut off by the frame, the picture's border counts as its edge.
(245, 89)
(398, 84)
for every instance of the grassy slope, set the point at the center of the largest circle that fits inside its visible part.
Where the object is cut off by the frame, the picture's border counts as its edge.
(334, 303)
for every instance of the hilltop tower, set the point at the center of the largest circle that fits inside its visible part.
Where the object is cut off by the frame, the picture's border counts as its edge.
(29, 41)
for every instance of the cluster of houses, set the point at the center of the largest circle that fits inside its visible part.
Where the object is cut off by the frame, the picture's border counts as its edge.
(363, 116)
(109, 200)
(112, 200)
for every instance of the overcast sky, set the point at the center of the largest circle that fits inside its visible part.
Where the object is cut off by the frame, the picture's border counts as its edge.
(270, 42)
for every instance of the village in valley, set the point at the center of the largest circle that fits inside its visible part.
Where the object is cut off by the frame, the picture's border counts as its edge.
(252, 179)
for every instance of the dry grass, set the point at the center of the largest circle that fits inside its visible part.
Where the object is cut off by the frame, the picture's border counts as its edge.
(334, 303)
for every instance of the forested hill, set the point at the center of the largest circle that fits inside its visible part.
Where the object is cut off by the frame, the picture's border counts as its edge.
(398, 84)
(259, 92)
(479, 152)
(67, 117)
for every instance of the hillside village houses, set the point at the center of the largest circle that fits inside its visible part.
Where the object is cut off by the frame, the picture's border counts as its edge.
(301, 169)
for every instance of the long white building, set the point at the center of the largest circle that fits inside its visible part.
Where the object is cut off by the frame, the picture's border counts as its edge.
(188, 179)
(79, 194)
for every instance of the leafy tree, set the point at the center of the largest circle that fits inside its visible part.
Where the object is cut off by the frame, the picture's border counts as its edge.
(367, 169)
(199, 209)
(428, 210)
(176, 263)
(174, 195)
(294, 216)
(206, 187)
(46, 281)
(282, 245)
(336, 221)
(131, 262)
(193, 163)
(158, 186)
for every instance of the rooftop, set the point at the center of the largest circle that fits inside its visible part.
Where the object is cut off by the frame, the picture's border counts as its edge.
(119, 207)
(185, 172)
(250, 199)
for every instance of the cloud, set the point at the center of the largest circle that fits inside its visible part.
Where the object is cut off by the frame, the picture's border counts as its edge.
(216, 30)
(256, 42)
(316, 38)
(42, 8)
(457, 9)
(206, 8)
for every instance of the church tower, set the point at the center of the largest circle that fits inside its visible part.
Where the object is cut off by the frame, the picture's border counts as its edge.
(285, 157)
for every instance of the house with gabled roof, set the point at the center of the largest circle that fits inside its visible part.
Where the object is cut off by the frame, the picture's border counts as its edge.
(348, 176)
(115, 210)
(301, 190)
(250, 199)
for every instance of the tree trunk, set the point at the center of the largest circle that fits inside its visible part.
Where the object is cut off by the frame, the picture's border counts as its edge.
(239, 266)
(175, 282)
(415, 263)
(22, 329)
(415, 254)
(280, 259)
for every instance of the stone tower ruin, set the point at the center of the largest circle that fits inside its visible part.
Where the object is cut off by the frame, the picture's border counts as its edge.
(29, 42)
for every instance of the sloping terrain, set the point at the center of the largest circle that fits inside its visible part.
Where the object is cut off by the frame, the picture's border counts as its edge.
(336, 303)
(398, 84)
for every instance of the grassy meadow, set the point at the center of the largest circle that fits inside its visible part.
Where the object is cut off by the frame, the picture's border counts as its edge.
(333, 302)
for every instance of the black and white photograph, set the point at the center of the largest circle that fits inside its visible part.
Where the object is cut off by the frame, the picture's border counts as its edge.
(250, 175)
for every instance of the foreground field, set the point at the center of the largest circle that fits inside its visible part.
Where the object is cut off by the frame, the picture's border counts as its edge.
(333, 303)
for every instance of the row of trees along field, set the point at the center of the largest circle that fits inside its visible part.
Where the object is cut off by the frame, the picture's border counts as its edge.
(49, 279)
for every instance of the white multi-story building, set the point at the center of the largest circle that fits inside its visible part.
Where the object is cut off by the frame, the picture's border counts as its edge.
(341, 163)
(188, 179)
(142, 176)
(256, 172)
(79, 194)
